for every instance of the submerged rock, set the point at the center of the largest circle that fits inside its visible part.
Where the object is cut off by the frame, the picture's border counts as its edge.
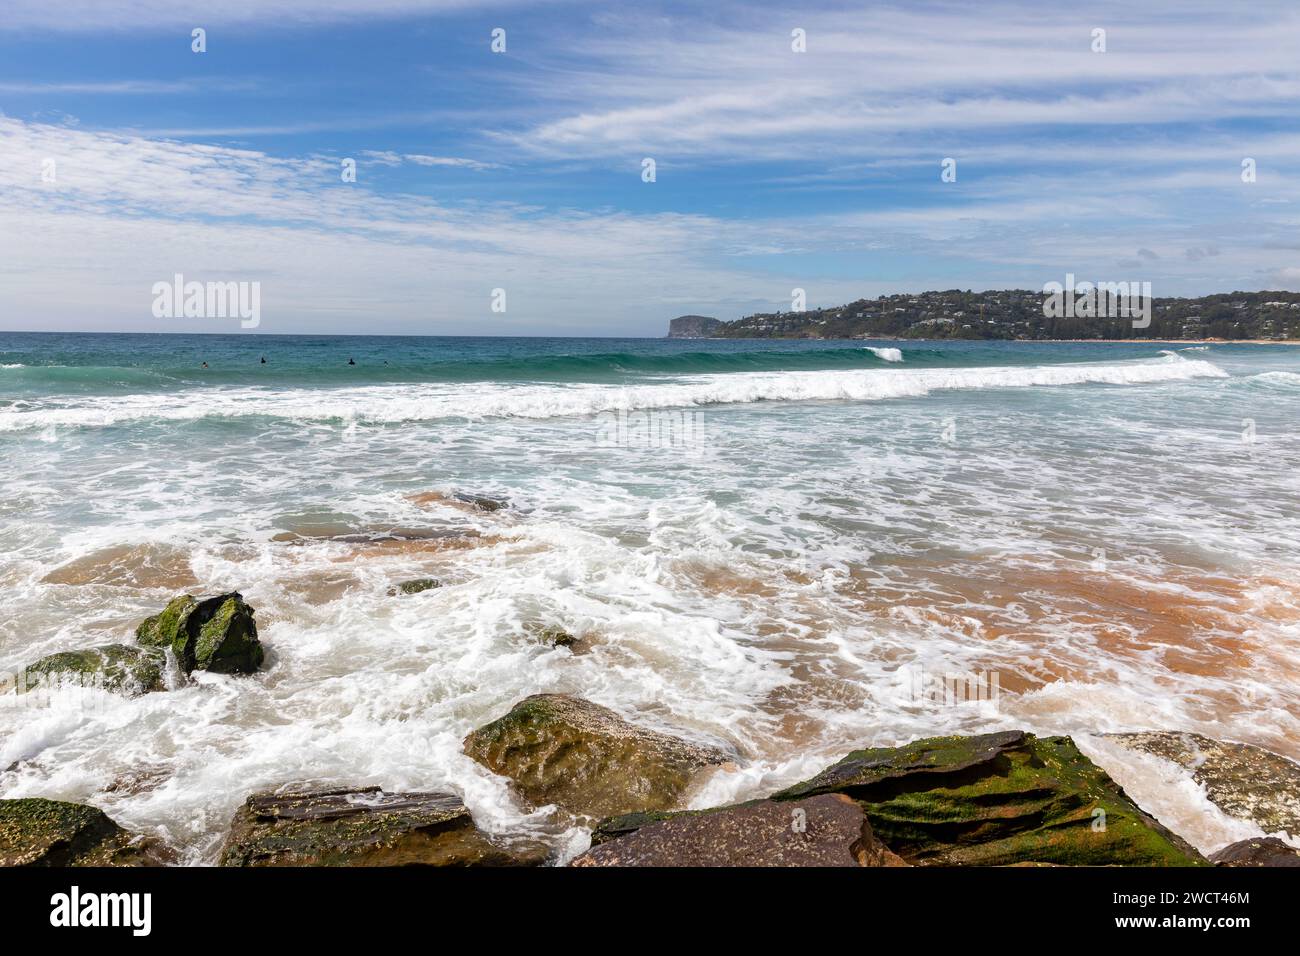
(363, 827)
(115, 667)
(39, 832)
(550, 634)
(215, 634)
(414, 587)
(481, 502)
(998, 799)
(1247, 782)
(586, 758)
(1260, 851)
(826, 830)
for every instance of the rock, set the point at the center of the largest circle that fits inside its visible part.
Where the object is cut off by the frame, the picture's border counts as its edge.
(482, 502)
(693, 327)
(586, 758)
(1247, 782)
(414, 587)
(827, 830)
(998, 799)
(363, 827)
(550, 634)
(1259, 851)
(39, 832)
(115, 667)
(215, 634)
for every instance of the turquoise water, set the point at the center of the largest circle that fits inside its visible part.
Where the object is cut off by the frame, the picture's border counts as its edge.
(757, 544)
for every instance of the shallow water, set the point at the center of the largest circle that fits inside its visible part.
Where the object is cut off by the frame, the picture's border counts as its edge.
(769, 545)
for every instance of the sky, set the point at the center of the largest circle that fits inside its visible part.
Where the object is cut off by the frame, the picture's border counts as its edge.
(127, 158)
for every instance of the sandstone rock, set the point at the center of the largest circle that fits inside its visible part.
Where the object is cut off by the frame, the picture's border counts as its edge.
(997, 799)
(586, 758)
(214, 634)
(1243, 781)
(1260, 851)
(827, 830)
(115, 667)
(363, 827)
(39, 832)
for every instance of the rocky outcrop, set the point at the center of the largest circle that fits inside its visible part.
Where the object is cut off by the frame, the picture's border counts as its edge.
(693, 327)
(414, 587)
(827, 830)
(363, 827)
(997, 799)
(1246, 782)
(587, 759)
(114, 667)
(215, 634)
(39, 832)
(1260, 851)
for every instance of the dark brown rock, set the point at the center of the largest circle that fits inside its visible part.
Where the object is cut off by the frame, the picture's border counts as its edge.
(828, 830)
(215, 634)
(587, 759)
(364, 827)
(1258, 851)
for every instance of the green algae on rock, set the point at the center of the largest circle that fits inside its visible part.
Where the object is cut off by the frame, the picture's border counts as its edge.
(823, 831)
(215, 634)
(364, 827)
(39, 832)
(1244, 781)
(587, 759)
(114, 667)
(998, 799)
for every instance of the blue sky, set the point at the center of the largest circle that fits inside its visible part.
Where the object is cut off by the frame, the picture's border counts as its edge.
(521, 170)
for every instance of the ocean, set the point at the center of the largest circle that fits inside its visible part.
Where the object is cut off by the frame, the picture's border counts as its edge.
(781, 547)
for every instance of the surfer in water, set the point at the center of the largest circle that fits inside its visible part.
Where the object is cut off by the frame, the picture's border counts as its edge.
(352, 361)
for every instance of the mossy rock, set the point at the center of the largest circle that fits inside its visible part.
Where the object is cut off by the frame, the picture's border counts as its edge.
(996, 800)
(587, 759)
(481, 502)
(364, 827)
(414, 587)
(550, 634)
(215, 634)
(39, 832)
(1244, 781)
(114, 667)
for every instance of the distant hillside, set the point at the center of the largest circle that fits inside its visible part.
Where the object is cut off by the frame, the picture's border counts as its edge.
(1018, 314)
(693, 327)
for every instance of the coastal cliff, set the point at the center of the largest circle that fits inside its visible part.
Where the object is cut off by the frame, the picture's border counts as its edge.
(693, 327)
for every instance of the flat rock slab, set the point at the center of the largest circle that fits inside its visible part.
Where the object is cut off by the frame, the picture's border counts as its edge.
(1246, 782)
(997, 800)
(1260, 851)
(39, 832)
(587, 759)
(822, 831)
(363, 827)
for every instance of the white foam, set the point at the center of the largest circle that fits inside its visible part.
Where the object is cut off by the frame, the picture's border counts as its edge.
(406, 403)
(887, 354)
